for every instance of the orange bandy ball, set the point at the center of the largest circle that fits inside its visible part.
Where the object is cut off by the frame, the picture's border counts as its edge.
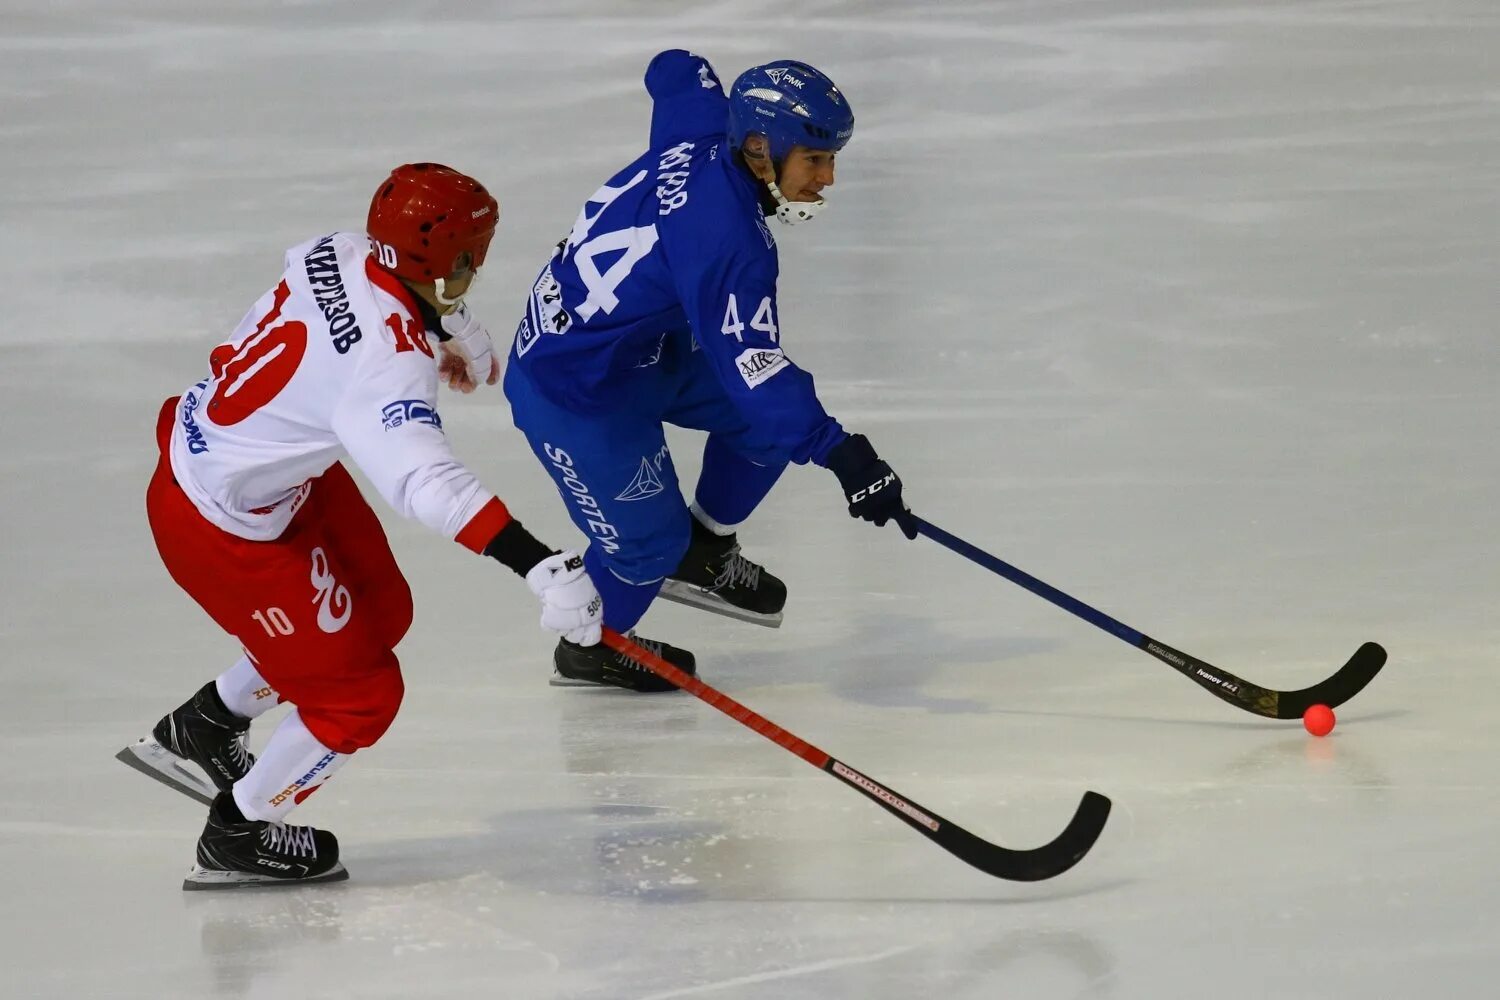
(1319, 720)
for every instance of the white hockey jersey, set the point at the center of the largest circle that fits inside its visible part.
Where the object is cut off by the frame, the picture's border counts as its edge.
(332, 361)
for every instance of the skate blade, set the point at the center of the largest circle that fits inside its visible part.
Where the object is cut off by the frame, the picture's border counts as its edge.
(200, 879)
(156, 761)
(558, 680)
(697, 597)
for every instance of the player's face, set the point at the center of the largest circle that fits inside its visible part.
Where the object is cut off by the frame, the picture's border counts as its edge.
(456, 285)
(805, 173)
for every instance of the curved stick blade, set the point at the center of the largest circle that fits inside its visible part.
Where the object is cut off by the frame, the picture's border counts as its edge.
(1037, 864)
(1348, 681)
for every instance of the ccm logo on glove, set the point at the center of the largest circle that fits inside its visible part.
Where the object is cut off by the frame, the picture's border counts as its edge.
(870, 485)
(872, 488)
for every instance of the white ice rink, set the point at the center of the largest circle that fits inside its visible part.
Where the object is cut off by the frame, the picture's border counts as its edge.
(1186, 306)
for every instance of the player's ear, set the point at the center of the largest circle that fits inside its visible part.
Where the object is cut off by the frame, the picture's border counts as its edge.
(756, 146)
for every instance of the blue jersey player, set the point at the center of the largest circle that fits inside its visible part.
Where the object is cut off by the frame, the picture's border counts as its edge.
(660, 307)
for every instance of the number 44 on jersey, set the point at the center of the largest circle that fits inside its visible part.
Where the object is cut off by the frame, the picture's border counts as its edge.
(764, 320)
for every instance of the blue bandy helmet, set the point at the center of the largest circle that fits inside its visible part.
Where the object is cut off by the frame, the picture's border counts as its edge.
(791, 104)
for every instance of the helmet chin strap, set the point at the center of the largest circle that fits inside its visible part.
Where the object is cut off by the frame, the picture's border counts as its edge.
(439, 284)
(793, 212)
(437, 292)
(790, 212)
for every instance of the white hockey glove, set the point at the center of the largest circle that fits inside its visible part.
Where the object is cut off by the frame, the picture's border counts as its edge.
(571, 606)
(470, 344)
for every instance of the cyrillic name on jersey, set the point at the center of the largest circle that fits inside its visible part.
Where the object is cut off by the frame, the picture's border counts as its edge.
(196, 445)
(671, 176)
(322, 264)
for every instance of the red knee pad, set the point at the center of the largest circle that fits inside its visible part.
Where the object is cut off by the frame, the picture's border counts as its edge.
(396, 611)
(359, 714)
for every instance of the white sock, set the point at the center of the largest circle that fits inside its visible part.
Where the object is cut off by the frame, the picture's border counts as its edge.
(292, 765)
(719, 529)
(244, 691)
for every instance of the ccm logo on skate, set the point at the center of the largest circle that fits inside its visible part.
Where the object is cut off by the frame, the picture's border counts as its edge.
(402, 411)
(300, 785)
(332, 598)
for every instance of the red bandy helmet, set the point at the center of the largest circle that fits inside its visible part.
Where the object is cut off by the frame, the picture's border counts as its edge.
(425, 216)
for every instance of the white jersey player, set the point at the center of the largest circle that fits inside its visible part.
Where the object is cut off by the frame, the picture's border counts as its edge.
(256, 518)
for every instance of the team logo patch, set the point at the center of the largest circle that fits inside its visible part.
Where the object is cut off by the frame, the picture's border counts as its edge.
(403, 411)
(758, 365)
(525, 337)
(546, 304)
(332, 598)
(765, 232)
(647, 483)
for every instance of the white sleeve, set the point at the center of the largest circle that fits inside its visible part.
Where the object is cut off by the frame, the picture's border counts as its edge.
(388, 422)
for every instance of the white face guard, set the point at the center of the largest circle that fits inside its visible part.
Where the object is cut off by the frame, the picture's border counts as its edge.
(793, 212)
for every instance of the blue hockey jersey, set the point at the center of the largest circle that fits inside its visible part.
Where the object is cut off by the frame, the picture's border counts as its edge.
(671, 256)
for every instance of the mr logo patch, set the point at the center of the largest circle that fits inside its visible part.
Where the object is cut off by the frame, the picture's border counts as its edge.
(756, 366)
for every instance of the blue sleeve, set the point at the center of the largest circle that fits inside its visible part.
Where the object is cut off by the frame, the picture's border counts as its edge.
(729, 295)
(687, 100)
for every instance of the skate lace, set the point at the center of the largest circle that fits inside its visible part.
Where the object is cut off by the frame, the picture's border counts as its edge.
(239, 752)
(294, 840)
(737, 570)
(651, 646)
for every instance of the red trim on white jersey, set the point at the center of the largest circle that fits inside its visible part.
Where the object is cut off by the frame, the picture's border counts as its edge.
(484, 526)
(392, 286)
(354, 387)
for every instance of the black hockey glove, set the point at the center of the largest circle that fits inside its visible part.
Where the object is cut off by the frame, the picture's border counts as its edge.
(872, 489)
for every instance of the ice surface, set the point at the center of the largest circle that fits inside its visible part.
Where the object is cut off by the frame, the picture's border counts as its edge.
(1186, 306)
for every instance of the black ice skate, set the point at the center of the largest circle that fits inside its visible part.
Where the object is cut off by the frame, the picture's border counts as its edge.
(235, 852)
(588, 666)
(203, 731)
(714, 576)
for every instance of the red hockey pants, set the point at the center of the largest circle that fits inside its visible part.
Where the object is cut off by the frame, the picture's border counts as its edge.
(319, 609)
